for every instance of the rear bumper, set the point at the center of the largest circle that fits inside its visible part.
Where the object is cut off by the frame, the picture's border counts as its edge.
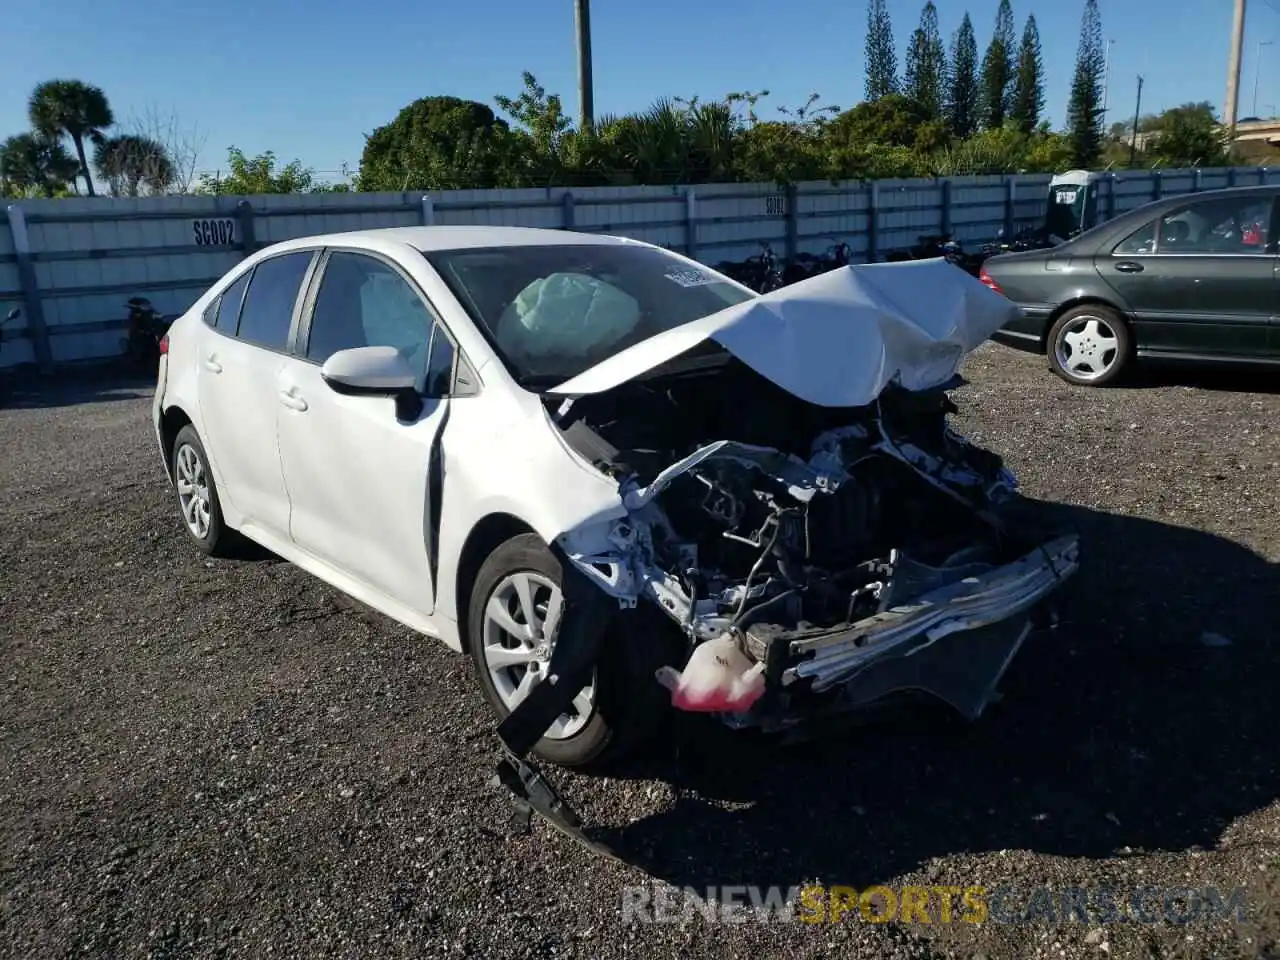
(1029, 330)
(157, 411)
(954, 640)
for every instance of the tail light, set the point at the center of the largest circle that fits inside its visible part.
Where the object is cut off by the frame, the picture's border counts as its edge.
(164, 345)
(988, 281)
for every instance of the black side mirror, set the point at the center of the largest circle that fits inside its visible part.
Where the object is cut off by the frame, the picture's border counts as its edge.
(14, 314)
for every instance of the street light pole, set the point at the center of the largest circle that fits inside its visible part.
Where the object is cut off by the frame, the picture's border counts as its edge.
(1137, 112)
(1106, 77)
(1257, 69)
(586, 108)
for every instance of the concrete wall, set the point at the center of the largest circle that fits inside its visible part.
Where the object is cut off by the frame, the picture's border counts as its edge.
(73, 263)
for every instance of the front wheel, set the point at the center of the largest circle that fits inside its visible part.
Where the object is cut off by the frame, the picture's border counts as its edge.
(1089, 345)
(512, 623)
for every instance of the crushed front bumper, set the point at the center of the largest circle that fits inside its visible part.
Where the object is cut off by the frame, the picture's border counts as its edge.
(953, 641)
(901, 648)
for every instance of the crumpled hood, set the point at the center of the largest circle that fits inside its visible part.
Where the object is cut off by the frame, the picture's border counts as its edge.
(837, 339)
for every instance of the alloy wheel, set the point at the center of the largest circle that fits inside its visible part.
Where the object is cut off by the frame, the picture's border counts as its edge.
(193, 490)
(520, 623)
(1087, 347)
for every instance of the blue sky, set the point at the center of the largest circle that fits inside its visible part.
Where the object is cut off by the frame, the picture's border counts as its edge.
(308, 79)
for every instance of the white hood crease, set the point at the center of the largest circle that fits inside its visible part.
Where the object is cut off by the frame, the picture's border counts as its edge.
(837, 339)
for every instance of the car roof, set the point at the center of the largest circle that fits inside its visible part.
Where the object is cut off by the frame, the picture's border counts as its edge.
(1196, 196)
(428, 239)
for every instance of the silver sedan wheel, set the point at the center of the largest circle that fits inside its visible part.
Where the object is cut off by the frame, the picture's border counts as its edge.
(520, 624)
(193, 490)
(1087, 347)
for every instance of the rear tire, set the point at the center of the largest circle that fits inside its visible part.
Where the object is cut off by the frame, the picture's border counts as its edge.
(1090, 346)
(197, 496)
(611, 716)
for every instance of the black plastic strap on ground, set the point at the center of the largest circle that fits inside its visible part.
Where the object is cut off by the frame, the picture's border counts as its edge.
(586, 616)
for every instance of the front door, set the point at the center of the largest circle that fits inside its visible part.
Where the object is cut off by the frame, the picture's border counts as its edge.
(240, 360)
(1201, 281)
(359, 478)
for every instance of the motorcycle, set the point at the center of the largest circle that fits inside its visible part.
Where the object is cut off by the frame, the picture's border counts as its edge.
(146, 328)
(808, 265)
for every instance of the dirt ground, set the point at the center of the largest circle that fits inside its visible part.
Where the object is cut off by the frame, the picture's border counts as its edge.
(207, 758)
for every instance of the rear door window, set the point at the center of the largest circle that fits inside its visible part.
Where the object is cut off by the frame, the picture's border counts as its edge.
(1141, 241)
(267, 313)
(228, 315)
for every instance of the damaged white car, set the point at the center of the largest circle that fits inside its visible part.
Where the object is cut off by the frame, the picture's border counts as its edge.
(620, 481)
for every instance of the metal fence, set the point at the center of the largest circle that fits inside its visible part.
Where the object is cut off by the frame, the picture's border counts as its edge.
(72, 263)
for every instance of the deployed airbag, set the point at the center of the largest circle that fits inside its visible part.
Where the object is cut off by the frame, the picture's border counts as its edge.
(566, 314)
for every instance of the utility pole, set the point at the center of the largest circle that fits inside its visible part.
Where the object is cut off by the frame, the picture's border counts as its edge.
(1233, 67)
(1137, 112)
(1257, 69)
(586, 109)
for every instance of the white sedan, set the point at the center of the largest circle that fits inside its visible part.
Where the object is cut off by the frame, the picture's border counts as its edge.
(619, 480)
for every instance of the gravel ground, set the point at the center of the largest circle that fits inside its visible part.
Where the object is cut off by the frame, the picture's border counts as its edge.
(229, 759)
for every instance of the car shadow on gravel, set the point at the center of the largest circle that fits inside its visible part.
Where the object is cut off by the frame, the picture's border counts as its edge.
(1147, 720)
(65, 389)
(1226, 379)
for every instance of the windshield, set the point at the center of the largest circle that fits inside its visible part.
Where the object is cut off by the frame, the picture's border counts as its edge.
(553, 312)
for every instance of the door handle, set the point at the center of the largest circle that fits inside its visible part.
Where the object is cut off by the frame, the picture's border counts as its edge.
(292, 401)
(211, 364)
(1128, 266)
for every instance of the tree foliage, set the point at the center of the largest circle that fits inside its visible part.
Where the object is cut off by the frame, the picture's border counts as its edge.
(997, 70)
(74, 109)
(927, 63)
(437, 143)
(1028, 86)
(131, 164)
(35, 165)
(962, 92)
(1084, 109)
(252, 175)
(881, 55)
(1187, 136)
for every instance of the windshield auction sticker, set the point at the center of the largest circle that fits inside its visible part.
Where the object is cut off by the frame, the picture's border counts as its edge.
(691, 278)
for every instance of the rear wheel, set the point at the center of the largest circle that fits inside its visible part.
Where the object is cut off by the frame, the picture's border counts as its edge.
(512, 624)
(1089, 345)
(197, 495)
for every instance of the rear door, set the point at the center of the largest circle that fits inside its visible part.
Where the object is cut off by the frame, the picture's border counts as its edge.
(1201, 280)
(240, 358)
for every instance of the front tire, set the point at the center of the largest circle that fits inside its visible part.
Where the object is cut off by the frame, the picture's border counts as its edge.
(197, 496)
(1089, 345)
(512, 621)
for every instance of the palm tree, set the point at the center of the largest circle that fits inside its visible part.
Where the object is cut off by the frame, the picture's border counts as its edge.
(129, 162)
(31, 162)
(74, 109)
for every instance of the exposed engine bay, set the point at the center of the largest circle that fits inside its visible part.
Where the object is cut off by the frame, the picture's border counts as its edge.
(810, 521)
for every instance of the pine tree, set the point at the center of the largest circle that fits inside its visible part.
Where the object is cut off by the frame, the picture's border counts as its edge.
(1028, 89)
(927, 63)
(997, 69)
(1084, 109)
(882, 60)
(962, 95)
